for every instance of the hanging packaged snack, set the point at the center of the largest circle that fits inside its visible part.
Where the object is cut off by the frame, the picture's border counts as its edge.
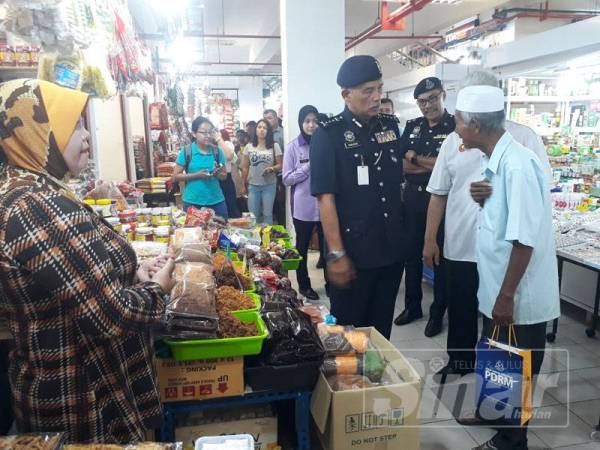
(199, 252)
(159, 116)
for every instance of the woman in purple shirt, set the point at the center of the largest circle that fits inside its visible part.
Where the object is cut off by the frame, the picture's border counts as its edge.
(305, 210)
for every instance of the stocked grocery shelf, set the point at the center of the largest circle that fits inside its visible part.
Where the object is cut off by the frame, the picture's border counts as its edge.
(550, 99)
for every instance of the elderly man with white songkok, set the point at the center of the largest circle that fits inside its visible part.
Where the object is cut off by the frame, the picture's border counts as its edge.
(450, 183)
(516, 258)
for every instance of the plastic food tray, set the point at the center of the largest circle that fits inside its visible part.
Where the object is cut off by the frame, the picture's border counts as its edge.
(291, 264)
(221, 348)
(246, 442)
(252, 290)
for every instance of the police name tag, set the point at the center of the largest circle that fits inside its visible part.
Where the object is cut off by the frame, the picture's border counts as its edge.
(386, 136)
(362, 173)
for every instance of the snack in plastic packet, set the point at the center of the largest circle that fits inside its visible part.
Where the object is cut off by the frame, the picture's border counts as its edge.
(340, 340)
(228, 276)
(180, 327)
(149, 249)
(184, 236)
(342, 365)
(32, 441)
(196, 272)
(198, 252)
(292, 338)
(139, 446)
(193, 299)
(349, 382)
(198, 217)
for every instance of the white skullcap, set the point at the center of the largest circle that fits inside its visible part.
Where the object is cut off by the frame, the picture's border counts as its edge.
(480, 99)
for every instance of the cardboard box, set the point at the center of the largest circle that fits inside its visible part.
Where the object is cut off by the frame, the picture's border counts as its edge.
(259, 422)
(377, 418)
(180, 381)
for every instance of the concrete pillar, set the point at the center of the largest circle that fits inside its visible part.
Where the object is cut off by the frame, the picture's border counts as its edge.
(251, 99)
(312, 50)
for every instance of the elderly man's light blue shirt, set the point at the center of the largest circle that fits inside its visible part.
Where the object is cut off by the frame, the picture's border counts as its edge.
(518, 210)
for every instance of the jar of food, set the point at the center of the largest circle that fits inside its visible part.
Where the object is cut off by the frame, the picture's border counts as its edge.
(127, 231)
(165, 214)
(162, 234)
(115, 223)
(156, 212)
(144, 234)
(147, 213)
(105, 203)
(164, 223)
(128, 216)
(141, 217)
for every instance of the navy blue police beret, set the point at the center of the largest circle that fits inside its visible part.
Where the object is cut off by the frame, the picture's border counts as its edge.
(428, 84)
(358, 70)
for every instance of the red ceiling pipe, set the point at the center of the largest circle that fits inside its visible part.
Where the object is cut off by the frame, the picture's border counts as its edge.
(408, 37)
(403, 11)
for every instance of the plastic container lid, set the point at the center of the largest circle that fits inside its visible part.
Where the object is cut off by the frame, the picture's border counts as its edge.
(128, 213)
(104, 202)
(89, 202)
(144, 230)
(162, 232)
(113, 220)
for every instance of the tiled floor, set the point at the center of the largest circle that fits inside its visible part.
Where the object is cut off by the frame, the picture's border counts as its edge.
(567, 394)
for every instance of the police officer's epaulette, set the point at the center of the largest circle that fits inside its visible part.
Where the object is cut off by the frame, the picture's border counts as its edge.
(388, 117)
(332, 121)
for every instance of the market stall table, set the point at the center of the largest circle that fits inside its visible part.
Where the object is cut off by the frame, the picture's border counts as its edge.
(302, 409)
(563, 255)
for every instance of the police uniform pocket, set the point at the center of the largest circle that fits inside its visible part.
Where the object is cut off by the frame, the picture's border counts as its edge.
(355, 229)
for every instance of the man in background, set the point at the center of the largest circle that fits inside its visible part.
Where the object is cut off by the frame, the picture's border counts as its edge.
(387, 106)
(279, 205)
(420, 144)
(251, 130)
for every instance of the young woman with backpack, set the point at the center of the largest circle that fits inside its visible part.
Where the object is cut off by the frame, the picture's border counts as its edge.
(201, 165)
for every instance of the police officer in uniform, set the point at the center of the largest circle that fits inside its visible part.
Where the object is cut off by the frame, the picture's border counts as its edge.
(356, 174)
(420, 144)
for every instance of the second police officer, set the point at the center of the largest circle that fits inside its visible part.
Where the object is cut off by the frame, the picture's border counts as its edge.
(356, 174)
(420, 144)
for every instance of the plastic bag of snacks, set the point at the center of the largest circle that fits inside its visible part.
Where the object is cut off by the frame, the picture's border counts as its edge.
(340, 340)
(198, 217)
(368, 364)
(194, 294)
(228, 276)
(140, 446)
(186, 236)
(32, 441)
(292, 338)
(198, 252)
(350, 382)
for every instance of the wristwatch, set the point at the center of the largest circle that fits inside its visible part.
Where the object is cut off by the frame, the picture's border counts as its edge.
(334, 256)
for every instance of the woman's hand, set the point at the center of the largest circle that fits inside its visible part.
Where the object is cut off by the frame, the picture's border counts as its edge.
(149, 268)
(164, 276)
(202, 175)
(268, 170)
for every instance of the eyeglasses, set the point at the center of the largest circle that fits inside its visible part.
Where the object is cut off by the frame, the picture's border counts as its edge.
(432, 100)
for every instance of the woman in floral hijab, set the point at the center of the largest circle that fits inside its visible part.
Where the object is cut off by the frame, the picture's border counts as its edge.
(80, 315)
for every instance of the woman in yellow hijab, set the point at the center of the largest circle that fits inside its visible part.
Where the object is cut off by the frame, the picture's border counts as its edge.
(79, 310)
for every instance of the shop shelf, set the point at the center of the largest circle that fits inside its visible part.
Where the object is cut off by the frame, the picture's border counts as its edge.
(220, 348)
(301, 376)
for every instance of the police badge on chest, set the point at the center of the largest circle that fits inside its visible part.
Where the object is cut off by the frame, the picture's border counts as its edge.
(350, 140)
